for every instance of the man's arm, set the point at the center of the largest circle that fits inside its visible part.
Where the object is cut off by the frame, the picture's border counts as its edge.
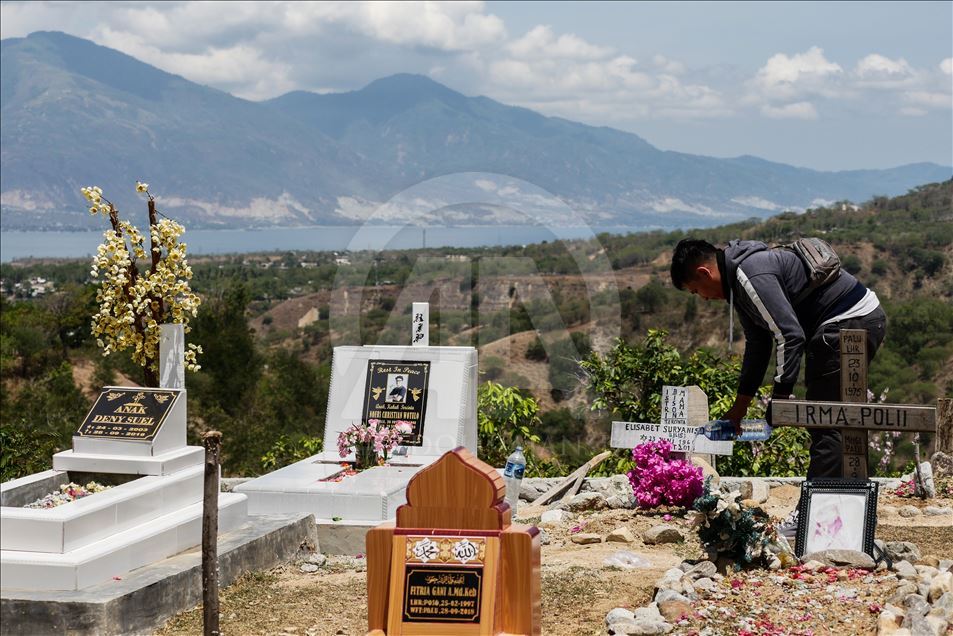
(753, 365)
(771, 302)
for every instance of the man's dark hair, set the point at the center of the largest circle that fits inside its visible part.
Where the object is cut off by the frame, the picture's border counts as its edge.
(689, 254)
(399, 377)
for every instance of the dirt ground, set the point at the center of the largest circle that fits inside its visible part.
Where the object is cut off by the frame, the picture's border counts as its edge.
(578, 588)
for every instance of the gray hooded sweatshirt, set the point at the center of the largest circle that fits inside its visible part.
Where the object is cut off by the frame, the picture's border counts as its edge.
(763, 283)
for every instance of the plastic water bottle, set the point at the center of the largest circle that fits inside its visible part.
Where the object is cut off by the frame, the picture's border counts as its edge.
(724, 431)
(754, 431)
(719, 431)
(513, 476)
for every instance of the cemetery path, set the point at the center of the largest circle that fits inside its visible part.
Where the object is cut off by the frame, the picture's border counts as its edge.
(579, 588)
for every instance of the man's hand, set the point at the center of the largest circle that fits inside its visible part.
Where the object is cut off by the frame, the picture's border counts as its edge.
(737, 411)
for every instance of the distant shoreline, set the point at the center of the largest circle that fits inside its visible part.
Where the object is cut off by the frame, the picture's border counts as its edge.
(66, 244)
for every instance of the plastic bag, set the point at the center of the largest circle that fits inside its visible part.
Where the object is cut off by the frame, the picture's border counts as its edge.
(627, 560)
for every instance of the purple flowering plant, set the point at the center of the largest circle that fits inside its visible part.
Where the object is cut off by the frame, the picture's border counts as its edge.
(657, 479)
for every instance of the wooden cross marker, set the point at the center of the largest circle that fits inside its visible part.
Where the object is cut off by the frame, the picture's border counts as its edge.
(854, 416)
(853, 388)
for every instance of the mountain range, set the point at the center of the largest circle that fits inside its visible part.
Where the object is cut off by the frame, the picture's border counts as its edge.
(403, 149)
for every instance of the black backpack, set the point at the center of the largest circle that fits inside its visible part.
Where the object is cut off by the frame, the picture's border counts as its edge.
(821, 263)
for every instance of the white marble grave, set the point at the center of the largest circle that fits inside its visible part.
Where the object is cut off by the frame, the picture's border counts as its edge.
(154, 512)
(372, 496)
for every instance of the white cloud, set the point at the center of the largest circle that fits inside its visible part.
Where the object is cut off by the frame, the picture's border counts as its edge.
(912, 111)
(664, 64)
(875, 65)
(797, 110)
(449, 26)
(930, 99)
(803, 73)
(541, 43)
(240, 69)
(259, 50)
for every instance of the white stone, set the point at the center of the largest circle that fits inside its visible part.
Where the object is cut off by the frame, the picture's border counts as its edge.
(618, 614)
(662, 534)
(887, 624)
(905, 570)
(620, 535)
(941, 584)
(554, 517)
(754, 489)
(586, 501)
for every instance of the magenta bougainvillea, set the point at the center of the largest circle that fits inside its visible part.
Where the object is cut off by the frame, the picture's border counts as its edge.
(657, 479)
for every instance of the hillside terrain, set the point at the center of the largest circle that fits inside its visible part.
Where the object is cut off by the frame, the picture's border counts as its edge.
(402, 150)
(269, 322)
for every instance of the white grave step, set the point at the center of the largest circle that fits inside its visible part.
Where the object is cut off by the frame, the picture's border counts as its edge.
(372, 495)
(84, 521)
(118, 554)
(163, 464)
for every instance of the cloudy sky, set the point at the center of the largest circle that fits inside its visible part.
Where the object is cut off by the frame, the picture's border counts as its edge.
(824, 85)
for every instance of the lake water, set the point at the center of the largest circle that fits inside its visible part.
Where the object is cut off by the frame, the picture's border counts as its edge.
(15, 245)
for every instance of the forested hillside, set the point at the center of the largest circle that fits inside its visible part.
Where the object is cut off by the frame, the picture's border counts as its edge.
(269, 321)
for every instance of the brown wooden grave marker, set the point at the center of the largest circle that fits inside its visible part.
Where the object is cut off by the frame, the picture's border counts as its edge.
(453, 563)
(853, 388)
(854, 416)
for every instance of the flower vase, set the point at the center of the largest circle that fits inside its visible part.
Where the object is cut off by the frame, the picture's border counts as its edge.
(364, 456)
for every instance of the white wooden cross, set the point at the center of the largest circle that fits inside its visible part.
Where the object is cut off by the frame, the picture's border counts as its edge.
(420, 325)
(684, 410)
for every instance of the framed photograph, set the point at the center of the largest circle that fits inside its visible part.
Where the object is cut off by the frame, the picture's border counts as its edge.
(837, 514)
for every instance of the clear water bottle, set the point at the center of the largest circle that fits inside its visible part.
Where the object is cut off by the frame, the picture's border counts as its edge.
(755, 430)
(513, 476)
(719, 431)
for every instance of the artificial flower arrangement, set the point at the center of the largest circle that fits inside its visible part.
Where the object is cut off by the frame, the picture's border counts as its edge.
(746, 535)
(372, 441)
(67, 493)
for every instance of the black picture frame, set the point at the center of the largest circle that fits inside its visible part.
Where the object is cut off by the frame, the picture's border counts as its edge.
(837, 514)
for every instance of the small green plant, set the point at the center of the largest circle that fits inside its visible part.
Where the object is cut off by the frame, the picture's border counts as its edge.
(289, 449)
(506, 418)
(785, 454)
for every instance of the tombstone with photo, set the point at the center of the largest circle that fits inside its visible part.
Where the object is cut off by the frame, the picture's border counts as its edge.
(432, 388)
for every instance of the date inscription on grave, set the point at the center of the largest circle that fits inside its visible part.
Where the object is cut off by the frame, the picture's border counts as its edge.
(443, 595)
(128, 413)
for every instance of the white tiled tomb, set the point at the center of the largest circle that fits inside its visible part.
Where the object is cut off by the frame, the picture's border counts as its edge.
(155, 513)
(373, 495)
